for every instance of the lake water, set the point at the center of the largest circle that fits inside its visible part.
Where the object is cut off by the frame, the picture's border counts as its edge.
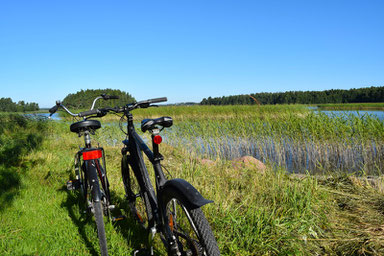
(374, 113)
(44, 115)
(379, 114)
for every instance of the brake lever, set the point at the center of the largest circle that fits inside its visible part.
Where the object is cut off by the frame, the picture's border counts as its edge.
(102, 113)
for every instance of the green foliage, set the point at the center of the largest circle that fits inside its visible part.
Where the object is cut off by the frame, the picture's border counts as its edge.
(83, 99)
(7, 105)
(18, 136)
(370, 94)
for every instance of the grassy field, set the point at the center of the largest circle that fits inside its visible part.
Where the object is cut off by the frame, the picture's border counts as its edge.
(202, 112)
(254, 213)
(352, 106)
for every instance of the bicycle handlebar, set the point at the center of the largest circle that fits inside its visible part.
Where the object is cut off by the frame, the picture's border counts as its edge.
(110, 97)
(103, 111)
(88, 113)
(53, 109)
(156, 100)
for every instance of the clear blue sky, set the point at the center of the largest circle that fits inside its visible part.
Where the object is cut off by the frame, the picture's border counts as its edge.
(188, 50)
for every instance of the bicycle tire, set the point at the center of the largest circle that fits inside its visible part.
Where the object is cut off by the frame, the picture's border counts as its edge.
(103, 181)
(98, 212)
(138, 201)
(193, 232)
(97, 196)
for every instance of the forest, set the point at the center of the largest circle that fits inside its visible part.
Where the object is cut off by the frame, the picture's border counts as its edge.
(84, 98)
(7, 105)
(369, 94)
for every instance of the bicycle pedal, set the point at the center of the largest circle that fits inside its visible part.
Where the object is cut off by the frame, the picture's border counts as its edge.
(119, 218)
(143, 252)
(73, 184)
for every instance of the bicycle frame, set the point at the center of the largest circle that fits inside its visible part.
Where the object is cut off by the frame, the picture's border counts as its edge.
(135, 146)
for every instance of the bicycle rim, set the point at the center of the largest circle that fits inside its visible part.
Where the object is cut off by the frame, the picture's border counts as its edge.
(191, 229)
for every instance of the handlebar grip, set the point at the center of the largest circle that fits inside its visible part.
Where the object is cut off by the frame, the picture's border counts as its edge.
(53, 109)
(109, 97)
(156, 100)
(89, 112)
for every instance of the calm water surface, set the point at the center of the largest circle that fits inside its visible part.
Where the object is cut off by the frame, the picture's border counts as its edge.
(330, 113)
(44, 115)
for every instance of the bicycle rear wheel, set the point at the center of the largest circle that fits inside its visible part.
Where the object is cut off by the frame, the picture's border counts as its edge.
(191, 229)
(99, 201)
(98, 212)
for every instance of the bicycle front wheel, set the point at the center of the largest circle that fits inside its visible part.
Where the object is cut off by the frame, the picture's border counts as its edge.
(138, 200)
(191, 229)
(98, 211)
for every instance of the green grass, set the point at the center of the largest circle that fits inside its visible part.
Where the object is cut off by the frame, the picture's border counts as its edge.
(352, 106)
(253, 213)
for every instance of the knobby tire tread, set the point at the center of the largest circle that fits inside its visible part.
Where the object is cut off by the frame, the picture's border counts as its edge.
(207, 239)
(100, 228)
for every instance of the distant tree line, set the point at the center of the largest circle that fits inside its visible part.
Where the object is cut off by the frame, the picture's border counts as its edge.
(7, 105)
(369, 94)
(83, 99)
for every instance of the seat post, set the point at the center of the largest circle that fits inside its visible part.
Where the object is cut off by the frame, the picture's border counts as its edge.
(87, 139)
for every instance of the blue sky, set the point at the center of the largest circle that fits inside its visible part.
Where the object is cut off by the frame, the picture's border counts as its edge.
(188, 50)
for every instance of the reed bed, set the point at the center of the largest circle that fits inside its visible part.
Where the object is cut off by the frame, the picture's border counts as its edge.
(314, 142)
(291, 137)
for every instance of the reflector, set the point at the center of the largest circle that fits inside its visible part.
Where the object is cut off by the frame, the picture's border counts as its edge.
(157, 139)
(94, 154)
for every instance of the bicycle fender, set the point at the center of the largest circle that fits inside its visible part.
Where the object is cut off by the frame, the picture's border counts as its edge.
(184, 192)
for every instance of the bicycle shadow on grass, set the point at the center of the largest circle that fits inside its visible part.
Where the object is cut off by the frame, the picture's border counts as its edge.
(9, 186)
(80, 220)
(135, 234)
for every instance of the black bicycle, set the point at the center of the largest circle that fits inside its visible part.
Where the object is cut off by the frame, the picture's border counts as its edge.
(172, 208)
(90, 169)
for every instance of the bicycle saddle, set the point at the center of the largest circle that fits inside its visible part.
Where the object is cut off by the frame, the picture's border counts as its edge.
(149, 124)
(85, 125)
